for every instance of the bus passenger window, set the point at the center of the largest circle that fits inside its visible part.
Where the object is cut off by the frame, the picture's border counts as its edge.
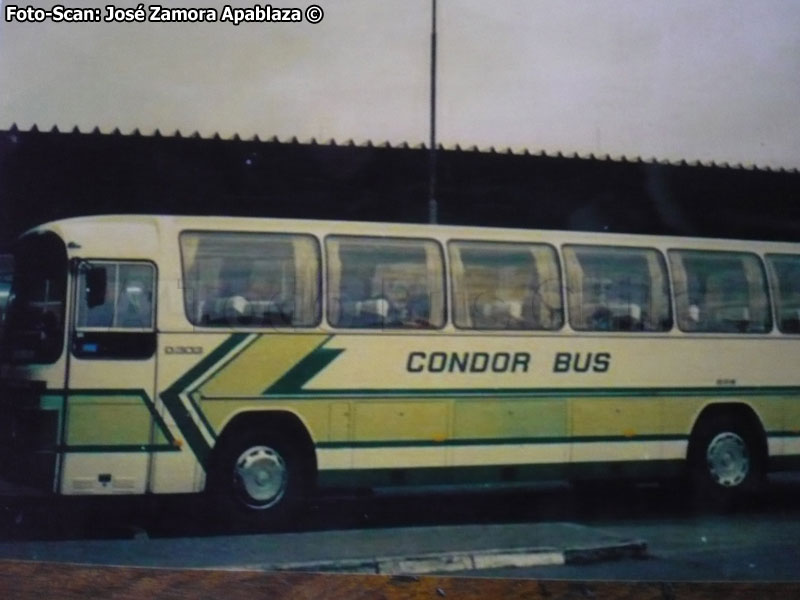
(617, 289)
(381, 282)
(234, 279)
(505, 286)
(784, 271)
(720, 292)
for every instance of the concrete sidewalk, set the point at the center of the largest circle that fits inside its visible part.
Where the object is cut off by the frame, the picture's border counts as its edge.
(392, 551)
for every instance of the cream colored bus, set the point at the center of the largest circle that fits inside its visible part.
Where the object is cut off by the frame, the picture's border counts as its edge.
(256, 359)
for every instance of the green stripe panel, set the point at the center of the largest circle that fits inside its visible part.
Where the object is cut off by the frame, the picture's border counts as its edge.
(543, 392)
(140, 394)
(180, 414)
(501, 441)
(526, 440)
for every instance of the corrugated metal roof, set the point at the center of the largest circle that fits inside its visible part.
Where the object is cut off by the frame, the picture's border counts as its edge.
(622, 158)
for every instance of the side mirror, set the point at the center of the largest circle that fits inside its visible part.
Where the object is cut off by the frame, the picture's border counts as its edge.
(96, 282)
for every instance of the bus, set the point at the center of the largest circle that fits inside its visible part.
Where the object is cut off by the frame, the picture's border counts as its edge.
(256, 360)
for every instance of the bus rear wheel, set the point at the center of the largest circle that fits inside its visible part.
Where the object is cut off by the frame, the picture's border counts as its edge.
(726, 461)
(258, 479)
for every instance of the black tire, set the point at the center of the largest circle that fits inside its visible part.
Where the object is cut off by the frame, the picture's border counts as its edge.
(258, 479)
(726, 461)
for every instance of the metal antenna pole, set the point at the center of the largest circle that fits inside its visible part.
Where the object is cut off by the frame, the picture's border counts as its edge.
(433, 208)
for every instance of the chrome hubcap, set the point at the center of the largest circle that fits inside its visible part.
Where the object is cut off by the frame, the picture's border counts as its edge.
(728, 459)
(260, 476)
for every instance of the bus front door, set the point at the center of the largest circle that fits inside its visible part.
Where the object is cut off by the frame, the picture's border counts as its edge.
(108, 425)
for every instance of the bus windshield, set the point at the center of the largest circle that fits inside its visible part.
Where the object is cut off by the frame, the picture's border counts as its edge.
(34, 327)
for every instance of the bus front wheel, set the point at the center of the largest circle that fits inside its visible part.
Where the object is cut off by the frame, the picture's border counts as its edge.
(725, 459)
(258, 479)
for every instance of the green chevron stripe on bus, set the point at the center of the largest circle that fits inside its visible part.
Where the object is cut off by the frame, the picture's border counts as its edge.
(305, 369)
(271, 360)
(260, 361)
(173, 397)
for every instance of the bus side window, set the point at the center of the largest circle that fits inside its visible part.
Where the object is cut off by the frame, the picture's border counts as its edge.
(238, 279)
(617, 289)
(720, 292)
(784, 274)
(505, 286)
(385, 282)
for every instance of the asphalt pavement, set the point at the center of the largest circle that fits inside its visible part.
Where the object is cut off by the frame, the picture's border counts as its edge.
(392, 551)
(545, 532)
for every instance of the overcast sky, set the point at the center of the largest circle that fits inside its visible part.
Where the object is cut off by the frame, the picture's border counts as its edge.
(714, 80)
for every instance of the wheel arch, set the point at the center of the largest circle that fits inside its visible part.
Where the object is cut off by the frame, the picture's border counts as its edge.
(737, 410)
(284, 422)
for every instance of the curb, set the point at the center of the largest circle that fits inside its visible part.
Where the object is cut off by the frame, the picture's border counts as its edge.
(450, 562)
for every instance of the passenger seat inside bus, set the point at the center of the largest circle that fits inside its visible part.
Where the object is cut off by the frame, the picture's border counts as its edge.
(134, 305)
(359, 310)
